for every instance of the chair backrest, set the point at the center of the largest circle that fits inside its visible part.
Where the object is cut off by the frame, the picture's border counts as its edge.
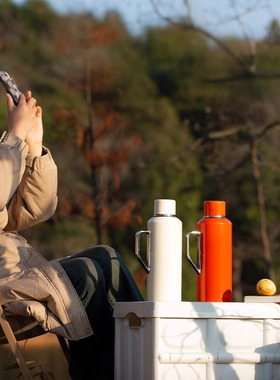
(15, 328)
(11, 339)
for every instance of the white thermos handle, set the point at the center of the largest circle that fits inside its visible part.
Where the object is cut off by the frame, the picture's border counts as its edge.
(197, 266)
(138, 250)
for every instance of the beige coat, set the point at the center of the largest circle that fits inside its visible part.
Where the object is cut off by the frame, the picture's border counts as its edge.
(30, 285)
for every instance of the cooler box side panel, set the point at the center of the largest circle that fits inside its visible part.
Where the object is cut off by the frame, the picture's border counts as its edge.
(134, 339)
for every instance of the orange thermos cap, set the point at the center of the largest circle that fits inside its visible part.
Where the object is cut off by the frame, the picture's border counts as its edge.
(214, 208)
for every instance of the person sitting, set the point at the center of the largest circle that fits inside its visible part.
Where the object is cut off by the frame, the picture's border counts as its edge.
(73, 296)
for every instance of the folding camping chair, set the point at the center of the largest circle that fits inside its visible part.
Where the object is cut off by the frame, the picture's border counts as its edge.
(16, 328)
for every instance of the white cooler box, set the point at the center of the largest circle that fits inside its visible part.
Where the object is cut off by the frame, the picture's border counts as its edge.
(197, 340)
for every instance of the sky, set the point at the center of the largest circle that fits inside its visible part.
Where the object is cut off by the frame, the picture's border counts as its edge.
(217, 16)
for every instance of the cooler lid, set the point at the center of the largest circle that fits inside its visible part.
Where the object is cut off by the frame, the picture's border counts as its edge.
(191, 310)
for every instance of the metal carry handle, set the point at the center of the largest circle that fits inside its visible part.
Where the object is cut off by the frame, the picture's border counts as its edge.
(138, 251)
(197, 266)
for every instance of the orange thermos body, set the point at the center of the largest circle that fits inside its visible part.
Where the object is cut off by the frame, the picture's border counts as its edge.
(214, 256)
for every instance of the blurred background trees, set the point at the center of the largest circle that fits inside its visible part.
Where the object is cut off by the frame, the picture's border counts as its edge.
(173, 113)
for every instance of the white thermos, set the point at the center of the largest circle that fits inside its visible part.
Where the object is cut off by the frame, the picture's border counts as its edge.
(164, 253)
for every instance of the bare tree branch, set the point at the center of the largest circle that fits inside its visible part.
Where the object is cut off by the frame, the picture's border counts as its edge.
(190, 26)
(245, 76)
(251, 42)
(248, 69)
(215, 135)
(188, 7)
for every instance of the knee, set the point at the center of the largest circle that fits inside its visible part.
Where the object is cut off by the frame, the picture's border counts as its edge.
(86, 276)
(104, 255)
(106, 249)
(81, 270)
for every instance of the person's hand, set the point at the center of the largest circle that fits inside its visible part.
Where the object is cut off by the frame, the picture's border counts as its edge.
(25, 121)
(21, 118)
(34, 138)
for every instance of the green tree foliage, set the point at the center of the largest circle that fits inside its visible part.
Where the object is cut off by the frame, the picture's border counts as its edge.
(273, 34)
(132, 119)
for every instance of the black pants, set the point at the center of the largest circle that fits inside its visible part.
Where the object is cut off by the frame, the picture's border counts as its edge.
(101, 278)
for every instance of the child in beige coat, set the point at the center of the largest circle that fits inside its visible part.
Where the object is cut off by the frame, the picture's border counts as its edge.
(73, 297)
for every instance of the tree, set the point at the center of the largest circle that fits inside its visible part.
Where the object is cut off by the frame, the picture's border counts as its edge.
(273, 34)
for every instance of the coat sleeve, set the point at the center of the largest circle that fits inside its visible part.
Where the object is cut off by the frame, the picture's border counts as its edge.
(36, 197)
(13, 152)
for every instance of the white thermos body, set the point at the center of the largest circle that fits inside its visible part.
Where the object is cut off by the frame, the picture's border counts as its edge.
(164, 253)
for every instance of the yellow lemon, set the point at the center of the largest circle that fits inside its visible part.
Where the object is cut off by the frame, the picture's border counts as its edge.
(266, 287)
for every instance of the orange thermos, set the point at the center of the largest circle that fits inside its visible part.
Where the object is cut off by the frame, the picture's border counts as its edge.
(214, 256)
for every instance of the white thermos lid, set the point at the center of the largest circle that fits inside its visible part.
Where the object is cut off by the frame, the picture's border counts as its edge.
(165, 207)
